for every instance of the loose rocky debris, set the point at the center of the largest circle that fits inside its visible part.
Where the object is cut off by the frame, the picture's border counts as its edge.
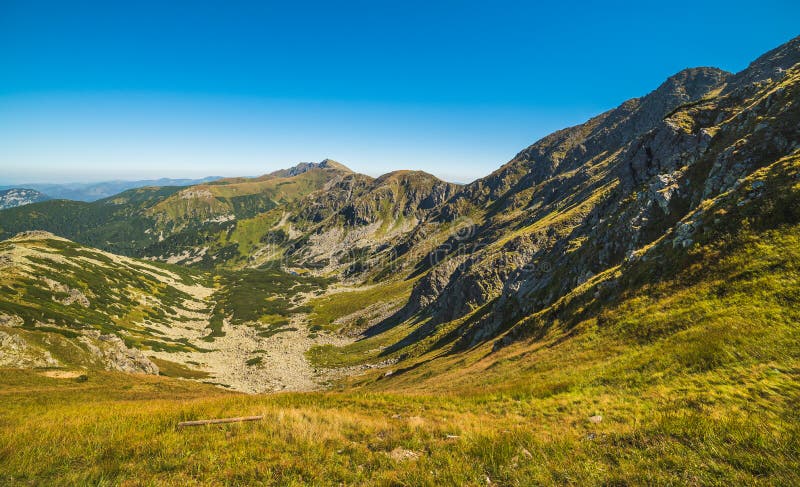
(16, 352)
(282, 365)
(112, 350)
(402, 455)
(10, 320)
(73, 295)
(106, 351)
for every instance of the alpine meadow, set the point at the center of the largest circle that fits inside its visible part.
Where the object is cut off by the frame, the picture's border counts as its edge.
(618, 304)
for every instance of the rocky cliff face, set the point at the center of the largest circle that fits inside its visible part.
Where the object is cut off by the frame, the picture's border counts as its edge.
(350, 225)
(359, 200)
(586, 199)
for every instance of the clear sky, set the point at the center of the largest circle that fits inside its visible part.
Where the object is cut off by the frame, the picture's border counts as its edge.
(141, 89)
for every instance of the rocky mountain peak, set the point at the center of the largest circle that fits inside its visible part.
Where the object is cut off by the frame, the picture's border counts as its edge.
(585, 198)
(569, 149)
(331, 164)
(771, 65)
(694, 82)
(308, 166)
(406, 175)
(642, 114)
(687, 85)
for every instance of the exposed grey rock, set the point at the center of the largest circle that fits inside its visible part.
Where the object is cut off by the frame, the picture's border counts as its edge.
(647, 165)
(771, 66)
(432, 284)
(115, 355)
(308, 166)
(76, 296)
(15, 352)
(662, 188)
(10, 320)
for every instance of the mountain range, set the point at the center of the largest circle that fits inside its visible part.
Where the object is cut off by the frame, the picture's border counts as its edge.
(651, 250)
(103, 189)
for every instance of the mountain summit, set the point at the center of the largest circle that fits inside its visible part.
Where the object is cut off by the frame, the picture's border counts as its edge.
(302, 167)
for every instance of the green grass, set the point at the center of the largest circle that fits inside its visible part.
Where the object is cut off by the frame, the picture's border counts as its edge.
(274, 328)
(363, 350)
(254, 361)
(126, 297)
(692, 360)
(168, 368)
(249, 233)
(696, 376)
(121, 429)
(328, 308)
(259, 295)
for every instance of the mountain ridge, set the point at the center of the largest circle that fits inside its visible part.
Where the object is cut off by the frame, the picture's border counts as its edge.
(89, 192)
(663, 146)
(570, 219)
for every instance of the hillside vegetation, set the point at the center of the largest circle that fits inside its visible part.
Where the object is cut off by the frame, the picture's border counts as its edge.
(619, 304)
(691, 380)
(64, 305)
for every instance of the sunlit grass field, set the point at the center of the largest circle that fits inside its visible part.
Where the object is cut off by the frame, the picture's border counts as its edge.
(118, 429)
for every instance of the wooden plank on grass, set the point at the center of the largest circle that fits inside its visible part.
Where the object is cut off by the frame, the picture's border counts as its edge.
(200, 422)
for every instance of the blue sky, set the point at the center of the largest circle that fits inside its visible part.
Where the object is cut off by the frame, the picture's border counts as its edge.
(104, 90)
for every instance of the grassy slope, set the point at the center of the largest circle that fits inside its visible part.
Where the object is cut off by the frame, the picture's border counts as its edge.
(260, 297)
(696, 376)
(122, 429)
(245, 199)
(150, 295)
(170, 220)
(116, 224)
(344, 311)
(328, 308)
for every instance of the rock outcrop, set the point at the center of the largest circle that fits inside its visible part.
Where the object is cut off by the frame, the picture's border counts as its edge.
(115, 355)
(16, 352)
(590, 197)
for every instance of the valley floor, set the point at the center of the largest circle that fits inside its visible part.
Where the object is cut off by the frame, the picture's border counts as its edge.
(111, 312)
(242, 360)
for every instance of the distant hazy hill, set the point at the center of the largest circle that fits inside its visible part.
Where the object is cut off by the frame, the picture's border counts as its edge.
(11, 198)
(103, 189)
